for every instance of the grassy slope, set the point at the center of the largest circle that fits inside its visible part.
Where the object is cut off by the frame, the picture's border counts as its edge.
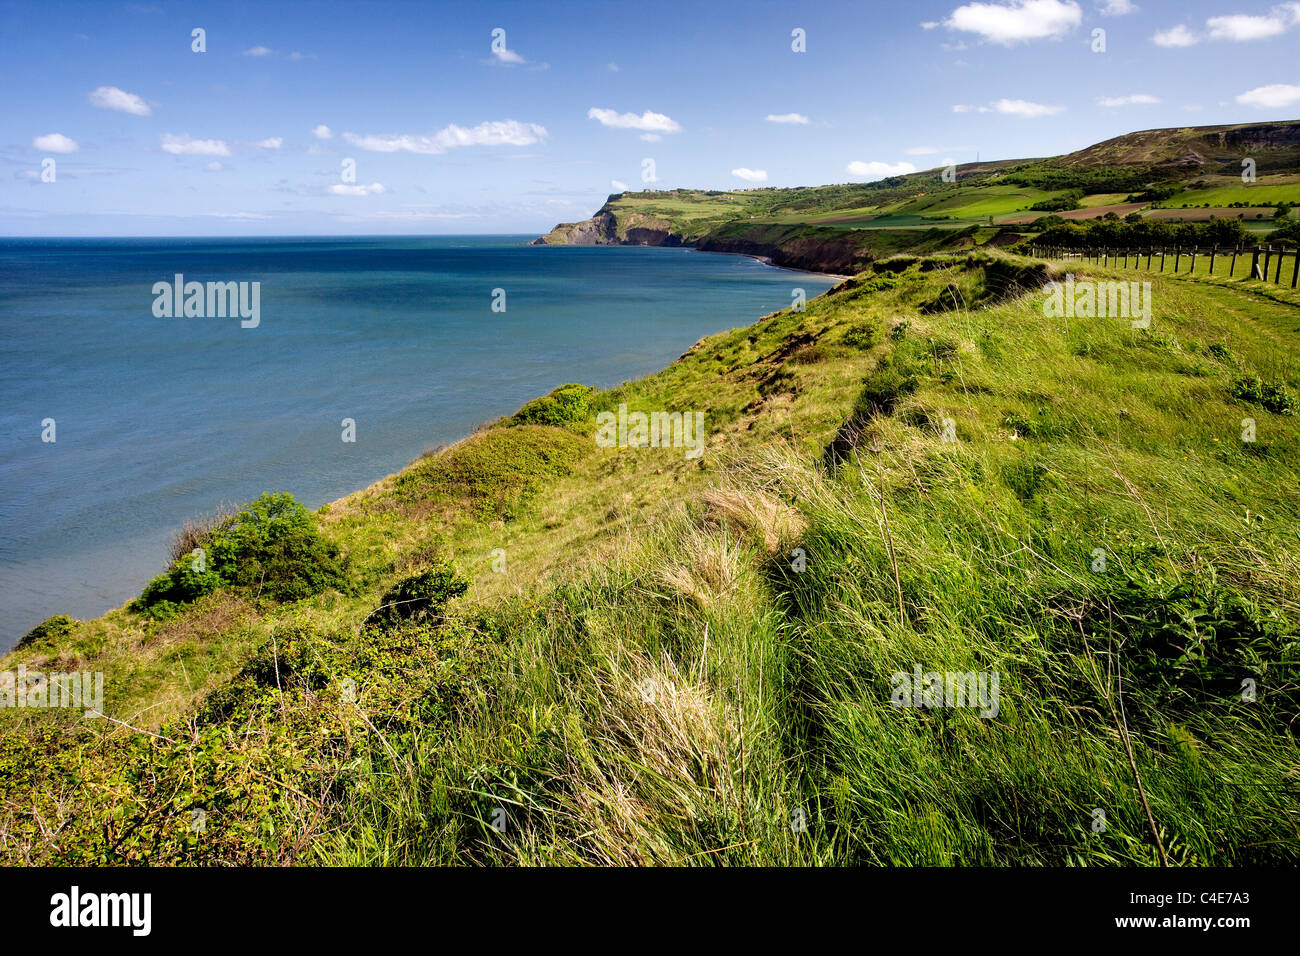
(650, 680)
(889, 217)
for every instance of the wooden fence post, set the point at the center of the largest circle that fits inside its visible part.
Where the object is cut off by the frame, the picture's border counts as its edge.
(1254, 263)
(1233, 267)
(1295, 271)
(1162, 258)
(1277, 275)
(1193, 268)
(1268, 255)
(1213, 250)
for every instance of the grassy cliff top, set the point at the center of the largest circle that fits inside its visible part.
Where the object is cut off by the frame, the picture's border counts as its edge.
(1200, 166)
(673, 659)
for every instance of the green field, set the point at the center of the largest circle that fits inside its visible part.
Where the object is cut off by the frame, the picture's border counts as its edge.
(1102, 199)
(1225, 267)
(1266, 191)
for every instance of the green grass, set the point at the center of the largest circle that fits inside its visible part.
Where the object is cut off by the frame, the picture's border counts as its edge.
(665, 660)
(1266, 191)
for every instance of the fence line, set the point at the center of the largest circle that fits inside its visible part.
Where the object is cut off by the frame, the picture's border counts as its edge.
(1263, 260)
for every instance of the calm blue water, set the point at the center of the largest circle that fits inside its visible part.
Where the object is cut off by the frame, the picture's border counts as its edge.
(160, 419)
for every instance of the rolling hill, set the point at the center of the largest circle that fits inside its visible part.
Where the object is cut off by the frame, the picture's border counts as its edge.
(842, 228)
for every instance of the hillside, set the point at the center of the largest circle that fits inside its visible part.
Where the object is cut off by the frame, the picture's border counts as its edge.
(1173, 174)
(529, 648)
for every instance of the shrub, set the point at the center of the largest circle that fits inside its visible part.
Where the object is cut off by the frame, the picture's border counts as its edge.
(182, 583)
(1221, 353)
(1272, 396)
(1069, 200)
(566, 406)
(198, 532)
(860, 335)
(422, 597)
(50, 629)
(269, 547)
(1192, 642)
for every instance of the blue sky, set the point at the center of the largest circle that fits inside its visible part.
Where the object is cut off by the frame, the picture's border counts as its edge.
(250, 137)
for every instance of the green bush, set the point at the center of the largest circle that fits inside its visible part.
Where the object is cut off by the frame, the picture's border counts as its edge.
(167, 593)
(1272, 396)
(422, 597)
(1069, 200)
(1192, 643)
(50, 629)
(567, 405)
(271, 547)
(861, 335)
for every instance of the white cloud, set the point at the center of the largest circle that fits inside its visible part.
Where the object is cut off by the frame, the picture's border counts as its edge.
(55, 143)
(1274, 97)
(1175, 37)
(1016, 21)
(1237, 27)
(258, 51)
(214, 167)
(752, 175)
(929, 24)
(618, 185)
(797, 118)
(1134, 99)
(359, 189)
(271, 142)
(1118, 8)
(651, 137)
(647, 121)
(1242, 27)
(494, 133)
(322, 132)
(1022, 108)
(111, 98)
(878, 170)
(186, 145)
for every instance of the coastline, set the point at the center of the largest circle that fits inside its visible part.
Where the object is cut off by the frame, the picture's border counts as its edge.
(767, 261)
(124, 589)
(387, 480)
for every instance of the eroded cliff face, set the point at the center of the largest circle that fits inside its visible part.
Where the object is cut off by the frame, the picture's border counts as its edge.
(600, 230)
(839, 255)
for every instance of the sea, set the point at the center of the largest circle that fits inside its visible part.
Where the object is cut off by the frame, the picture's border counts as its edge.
(121, 416)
